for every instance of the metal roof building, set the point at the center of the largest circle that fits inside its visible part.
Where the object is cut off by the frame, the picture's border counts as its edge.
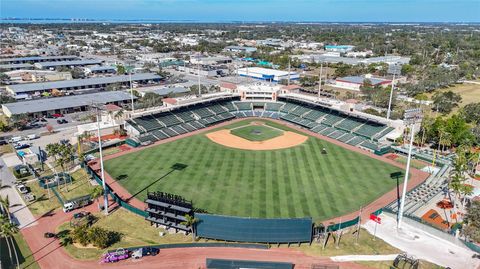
(37, 59)
(79, 84)
(54, 64)
(15, 66)
(267, 74)
(60, 104)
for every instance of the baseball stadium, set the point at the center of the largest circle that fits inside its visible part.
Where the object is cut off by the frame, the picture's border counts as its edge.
(255, 163)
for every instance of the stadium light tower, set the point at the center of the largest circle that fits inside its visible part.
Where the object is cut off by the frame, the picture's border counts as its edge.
(412, 117)
(105, 195)
(391, 96)
(320, 80)
(129, 70)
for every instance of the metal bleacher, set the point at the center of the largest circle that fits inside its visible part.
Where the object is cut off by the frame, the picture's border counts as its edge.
(240, 229)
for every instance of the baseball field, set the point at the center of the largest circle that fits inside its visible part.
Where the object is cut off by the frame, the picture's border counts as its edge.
(310, 177)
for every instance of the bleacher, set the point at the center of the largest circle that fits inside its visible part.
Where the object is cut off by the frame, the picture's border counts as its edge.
(273, 106)
(349, 124)
(346, 129)
(244, 105)
(169, 120)
(332, 119)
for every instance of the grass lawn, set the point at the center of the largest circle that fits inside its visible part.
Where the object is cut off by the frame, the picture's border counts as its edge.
(469, 92)
(256, 132)
(80, 186)
(108, 151)
(366, 246)
(135, 232)
(4, 149)
(25, 257)
(293, 182)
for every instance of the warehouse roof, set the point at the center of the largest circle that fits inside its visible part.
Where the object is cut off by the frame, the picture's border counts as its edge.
(47, 104)
(68, 63)
(37, 58)
(167, 90)
(101, 68)
(16, 66)
(32, 87)
(265, 71)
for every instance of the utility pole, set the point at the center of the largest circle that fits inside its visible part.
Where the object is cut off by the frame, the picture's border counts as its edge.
(131, 90)
(288, 82)
(105, 195)
(412, 117)
(320, 80)
(391, 96)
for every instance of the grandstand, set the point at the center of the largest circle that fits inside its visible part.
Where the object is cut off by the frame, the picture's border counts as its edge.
(364, 133)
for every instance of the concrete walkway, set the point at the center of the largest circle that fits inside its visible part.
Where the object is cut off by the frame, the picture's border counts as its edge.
(423, 245)
(351, 258)
(18, 209)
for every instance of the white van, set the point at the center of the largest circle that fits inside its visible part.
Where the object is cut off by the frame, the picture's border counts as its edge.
(16, 139)
(32, 136)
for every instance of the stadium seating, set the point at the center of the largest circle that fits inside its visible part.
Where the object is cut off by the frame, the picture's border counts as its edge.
(273, 106)
(244, 105)
(299, 111)
(229, 106)
(349, 124)
(314, 115)
(159, 134)
(356, 140)
(288, 107)
(218, 109)
(169, 120)
(202, 112)
(148, 123)
(186, 115)
(345, 138)
(332, 119)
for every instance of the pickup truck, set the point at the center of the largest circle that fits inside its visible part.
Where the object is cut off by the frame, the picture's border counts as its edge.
(77, 203)
(145, 251)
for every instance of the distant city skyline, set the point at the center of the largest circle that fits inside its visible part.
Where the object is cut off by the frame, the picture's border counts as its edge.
(248, 10)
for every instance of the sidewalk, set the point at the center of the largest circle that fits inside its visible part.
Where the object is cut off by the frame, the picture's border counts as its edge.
(423, 245)
(18, 209)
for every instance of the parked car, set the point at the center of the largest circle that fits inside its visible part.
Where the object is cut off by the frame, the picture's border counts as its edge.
(32, 136)
(3, 141)
(57, 115)
(115, 256)
(145, 251)
(15, 139)
(62, 121)
(21, 146)
(29, 197)
(80, 215)
(49, 235)
(22, 188)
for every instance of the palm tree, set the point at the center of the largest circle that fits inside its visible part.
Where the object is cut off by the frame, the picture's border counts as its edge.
(7, 230)
(96, 193)
(190, 222)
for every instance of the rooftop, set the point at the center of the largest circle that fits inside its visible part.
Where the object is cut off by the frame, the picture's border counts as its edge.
(47, 104)
(68, 63)
(32, 87)
(360, 80)
(38, 58)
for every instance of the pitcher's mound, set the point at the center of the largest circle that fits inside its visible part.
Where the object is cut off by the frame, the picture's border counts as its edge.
(286, 140)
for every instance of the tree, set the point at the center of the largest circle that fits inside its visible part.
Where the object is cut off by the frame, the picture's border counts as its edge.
(472, 222)
(96, 193)
(191, 222)
(471, 112)
(444, 102)
(121, 69)
(406, 70)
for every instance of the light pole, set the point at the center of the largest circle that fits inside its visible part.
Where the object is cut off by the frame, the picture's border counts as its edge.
(412, 117)
(391, 96)
(105, 195)
(320, 80)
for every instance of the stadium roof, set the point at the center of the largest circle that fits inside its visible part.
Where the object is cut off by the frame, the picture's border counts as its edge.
(37, 58)
(32, 87)
(168, 90)
(254, 230)
(48, 104)
(101, 68)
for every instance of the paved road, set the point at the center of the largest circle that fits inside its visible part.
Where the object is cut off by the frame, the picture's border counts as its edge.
(18, 209)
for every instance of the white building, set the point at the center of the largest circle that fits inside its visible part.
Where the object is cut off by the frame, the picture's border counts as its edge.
(267, 74)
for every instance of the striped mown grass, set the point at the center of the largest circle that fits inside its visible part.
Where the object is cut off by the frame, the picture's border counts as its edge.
(293, 182)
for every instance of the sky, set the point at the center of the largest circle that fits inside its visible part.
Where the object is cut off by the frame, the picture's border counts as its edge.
(249, 10)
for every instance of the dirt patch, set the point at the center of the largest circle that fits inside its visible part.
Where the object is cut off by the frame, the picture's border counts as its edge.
(287, 140)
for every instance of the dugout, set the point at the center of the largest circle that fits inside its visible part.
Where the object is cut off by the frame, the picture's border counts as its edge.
(255, 230)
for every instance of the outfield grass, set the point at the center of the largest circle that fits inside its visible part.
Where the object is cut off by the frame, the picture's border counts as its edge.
(293, 182)
(256, 132)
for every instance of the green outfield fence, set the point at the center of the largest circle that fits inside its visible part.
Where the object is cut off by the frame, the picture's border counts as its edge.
(201, 245)
(65, 176)
(112, 194)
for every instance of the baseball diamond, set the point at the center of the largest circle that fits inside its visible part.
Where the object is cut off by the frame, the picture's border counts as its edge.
(298, 181)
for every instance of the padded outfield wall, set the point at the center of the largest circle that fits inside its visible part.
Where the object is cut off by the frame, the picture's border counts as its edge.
(228, 228)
